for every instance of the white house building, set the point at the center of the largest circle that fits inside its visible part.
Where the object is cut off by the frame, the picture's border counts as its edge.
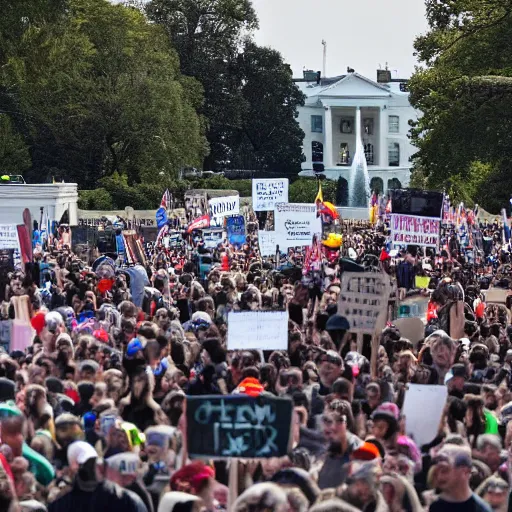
(330, 122)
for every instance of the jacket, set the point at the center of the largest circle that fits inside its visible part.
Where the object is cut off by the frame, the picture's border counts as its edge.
(107, 496)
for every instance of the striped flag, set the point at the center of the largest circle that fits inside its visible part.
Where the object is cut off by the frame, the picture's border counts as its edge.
(166, 200)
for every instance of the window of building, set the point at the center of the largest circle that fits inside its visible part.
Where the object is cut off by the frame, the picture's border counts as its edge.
(344, 154)
(368, 153)
(317, 151)
(394, 154)
(317, 124)
(394, 124)
(347, 125)
(368, 126)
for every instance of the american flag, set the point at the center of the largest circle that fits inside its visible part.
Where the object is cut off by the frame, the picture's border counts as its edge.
(166, 200)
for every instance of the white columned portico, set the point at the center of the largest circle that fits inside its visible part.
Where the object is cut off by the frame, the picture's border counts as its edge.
(382, 138)
(328, 137)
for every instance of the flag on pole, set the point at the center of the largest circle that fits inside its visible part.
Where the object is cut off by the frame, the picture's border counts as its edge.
(320, 194)
(166, 200)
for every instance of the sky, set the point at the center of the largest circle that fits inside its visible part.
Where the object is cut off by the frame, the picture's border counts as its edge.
(362, 34)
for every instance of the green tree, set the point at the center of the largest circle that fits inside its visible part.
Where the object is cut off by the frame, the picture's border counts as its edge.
(100, 92)
(250, 99)
(207, 35)
(464, 91)
(14, 154)
(269, 133)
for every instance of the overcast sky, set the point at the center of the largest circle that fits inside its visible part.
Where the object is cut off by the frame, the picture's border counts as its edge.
(360, 33)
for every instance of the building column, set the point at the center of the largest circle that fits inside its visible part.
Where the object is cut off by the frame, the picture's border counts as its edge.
(383, 132)
(328, 149)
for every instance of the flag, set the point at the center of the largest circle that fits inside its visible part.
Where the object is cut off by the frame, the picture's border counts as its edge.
(166, 200)
(199, 223)
(506, 227)
(320, 194)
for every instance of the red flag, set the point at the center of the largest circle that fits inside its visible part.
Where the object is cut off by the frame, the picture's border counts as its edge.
(199, 223)
(166, 200)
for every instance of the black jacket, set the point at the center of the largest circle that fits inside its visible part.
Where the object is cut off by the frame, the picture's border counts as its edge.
(107, 496)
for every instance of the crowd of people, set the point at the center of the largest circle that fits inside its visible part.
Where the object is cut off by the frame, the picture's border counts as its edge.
(93, 407)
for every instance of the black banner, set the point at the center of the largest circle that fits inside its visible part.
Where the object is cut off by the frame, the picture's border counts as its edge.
(422, 203)
(220, 427)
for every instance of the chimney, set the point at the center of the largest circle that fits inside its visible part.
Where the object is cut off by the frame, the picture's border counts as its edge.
(383, 76)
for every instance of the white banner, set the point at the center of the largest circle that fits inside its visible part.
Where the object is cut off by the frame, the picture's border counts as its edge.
(267, 193)
(363, 300)
(414, 230)
(9, 237)
(221, 207)
(258, 330)
(296, 224)
(267, 243)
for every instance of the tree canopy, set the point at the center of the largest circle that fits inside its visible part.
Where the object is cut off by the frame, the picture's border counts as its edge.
(464, 91)
(250, 100)
(96, 90)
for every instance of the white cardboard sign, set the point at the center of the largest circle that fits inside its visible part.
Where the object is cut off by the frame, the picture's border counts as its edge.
(296, 224)
(423, 407)
(267, 243)
(258, 330)
(267, 193)
(221, 207)
(9, 237)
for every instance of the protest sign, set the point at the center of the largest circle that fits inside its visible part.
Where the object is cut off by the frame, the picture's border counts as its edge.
(221, 207)
(267, 243)
(267, 193)
(414, 230)
(235, 228)
(9, 237)
(258, 330)
(296, 224)
(239, 426)
(363, 300)
(423, 407)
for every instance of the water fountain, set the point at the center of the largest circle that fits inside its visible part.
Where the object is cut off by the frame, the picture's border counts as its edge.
(359, 179)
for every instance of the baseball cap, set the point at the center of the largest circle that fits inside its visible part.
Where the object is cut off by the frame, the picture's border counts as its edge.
(125, 463)
(80, 452)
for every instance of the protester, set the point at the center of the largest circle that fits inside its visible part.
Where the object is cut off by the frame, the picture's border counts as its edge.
(98, 410)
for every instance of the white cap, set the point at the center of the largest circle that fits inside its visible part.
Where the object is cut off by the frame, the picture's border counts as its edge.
(126, 463)
(80, 452)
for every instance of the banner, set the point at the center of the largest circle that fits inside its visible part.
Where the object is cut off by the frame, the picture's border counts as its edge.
(413, 230)
(295, 224)
(199, 223)
(221, 207)
(235, 227)
(258, 330)
(363, 300)
(267, 243)
(161, 217)
(9, 237)
(267, 193)
(239, 426)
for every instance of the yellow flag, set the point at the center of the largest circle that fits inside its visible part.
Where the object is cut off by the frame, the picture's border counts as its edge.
(320, 194)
